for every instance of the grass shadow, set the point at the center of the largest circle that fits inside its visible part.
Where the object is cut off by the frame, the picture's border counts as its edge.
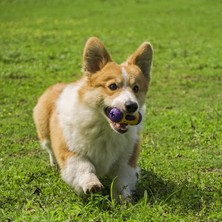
(185, 195)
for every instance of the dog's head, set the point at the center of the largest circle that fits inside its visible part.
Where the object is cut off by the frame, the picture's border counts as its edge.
(111, 85)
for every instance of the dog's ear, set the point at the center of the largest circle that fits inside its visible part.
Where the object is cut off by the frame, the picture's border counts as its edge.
(95, 56)
(142, 58)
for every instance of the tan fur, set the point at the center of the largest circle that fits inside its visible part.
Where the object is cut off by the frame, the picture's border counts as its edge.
(44, 108)
(111, 73)
(135, 155)
(57, 142)
(143, 59)
(47, 125)
(95, 56)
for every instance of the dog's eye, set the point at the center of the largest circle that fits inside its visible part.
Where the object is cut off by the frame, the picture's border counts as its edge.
(113, 86)
(136, 89)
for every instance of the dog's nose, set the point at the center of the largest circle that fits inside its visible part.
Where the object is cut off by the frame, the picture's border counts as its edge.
(131, 107)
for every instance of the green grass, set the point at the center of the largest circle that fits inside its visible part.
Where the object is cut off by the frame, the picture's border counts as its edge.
(41, 43)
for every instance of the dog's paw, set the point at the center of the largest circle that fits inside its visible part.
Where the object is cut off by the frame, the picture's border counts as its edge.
(93, 187)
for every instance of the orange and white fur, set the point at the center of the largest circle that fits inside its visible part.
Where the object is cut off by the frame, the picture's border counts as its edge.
(72, 122)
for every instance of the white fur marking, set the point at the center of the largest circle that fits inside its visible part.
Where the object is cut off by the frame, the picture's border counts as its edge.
(124, 74)
(126, 181)
(46, 145)
(124, 96)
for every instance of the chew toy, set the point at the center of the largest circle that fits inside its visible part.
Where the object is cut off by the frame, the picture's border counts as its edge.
(118, 116)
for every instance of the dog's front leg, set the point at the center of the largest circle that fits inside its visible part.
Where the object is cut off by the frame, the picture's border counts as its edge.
(79, 172)
(125, 183)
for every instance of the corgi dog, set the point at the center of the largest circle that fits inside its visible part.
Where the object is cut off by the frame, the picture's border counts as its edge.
(72, 121)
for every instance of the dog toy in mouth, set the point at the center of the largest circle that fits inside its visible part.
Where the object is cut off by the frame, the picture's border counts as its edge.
(118, 116)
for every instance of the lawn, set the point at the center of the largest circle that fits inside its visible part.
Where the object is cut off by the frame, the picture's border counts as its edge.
(41, 44)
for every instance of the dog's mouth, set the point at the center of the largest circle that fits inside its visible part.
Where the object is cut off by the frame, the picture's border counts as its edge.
(118, 127)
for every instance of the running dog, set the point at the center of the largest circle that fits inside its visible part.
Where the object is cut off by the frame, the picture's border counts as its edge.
(74, 125)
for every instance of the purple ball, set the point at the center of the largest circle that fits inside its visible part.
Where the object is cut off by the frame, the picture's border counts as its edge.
(115, 115)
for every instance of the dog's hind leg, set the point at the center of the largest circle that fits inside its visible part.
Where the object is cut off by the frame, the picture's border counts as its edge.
(46, 145)
(42, 115)
(41, 119)
(44, 140)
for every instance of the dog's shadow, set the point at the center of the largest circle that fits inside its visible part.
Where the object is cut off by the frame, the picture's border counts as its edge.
(159, 191)
(154, 190)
